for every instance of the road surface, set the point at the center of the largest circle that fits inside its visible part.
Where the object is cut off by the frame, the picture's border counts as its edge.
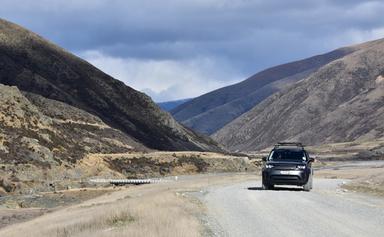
(246, 210)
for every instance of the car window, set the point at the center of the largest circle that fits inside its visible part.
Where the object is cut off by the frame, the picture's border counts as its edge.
(285, 154)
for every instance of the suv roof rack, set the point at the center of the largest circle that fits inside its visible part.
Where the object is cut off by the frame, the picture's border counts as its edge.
(298, 144)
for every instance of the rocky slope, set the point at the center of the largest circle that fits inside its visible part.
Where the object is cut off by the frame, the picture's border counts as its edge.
(35, 65)
(40, 131)
(38, 135)
(210, 112)
(47, 145)
(341, 101)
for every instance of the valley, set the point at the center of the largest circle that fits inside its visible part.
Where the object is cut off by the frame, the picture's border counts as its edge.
(65, 123)
(208, 205)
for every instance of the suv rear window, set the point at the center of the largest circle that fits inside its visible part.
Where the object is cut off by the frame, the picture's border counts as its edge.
(285, 154)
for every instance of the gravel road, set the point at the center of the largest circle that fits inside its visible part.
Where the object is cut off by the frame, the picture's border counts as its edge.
(246, 210)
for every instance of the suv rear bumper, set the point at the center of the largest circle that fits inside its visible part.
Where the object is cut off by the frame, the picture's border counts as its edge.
(285, 177)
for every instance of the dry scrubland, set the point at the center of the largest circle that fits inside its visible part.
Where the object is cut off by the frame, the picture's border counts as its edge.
(342, 151)
(49, 151)
(36, 193)
(27, 179)
(169, 209)
(165, 209)
(347, 151)
(151, 210)
(364, 179)
(155, 164)
(337, 161)
(47, 145)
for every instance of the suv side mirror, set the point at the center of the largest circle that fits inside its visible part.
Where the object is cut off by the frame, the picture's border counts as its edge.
(264, 158)
(311, 159)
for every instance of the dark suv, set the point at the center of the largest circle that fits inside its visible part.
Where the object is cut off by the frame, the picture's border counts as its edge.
(288, 164)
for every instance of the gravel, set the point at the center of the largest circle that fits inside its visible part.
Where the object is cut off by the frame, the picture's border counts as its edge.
(246, 210)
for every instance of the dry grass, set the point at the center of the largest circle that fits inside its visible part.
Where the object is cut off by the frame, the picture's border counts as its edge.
(342, 151)
(162, 214)
(368, 179)
(149, 210)
(371, 182)
(155, 164)
(148, 216)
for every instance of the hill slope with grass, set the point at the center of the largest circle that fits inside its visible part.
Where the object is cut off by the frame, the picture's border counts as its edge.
(341, 101)
(212, 111)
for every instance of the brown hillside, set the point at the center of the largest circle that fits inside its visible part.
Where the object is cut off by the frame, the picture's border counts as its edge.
(342, 101)
(212, 111)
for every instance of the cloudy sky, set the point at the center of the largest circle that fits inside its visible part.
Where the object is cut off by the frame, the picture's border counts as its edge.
(173, 49)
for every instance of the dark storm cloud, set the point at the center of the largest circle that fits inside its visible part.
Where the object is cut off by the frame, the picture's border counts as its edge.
(132, 28)
(244, 36)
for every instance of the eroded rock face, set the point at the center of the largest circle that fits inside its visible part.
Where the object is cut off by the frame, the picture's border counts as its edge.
(7, 185)
(37, 66)
(42, 140)
(341, 101)
(35, 130)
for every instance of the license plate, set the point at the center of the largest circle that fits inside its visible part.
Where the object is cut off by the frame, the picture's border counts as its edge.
(286, 172)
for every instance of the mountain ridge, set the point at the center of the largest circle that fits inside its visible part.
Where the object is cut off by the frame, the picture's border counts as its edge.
(36, 65)
(210, 112)
(342, 101)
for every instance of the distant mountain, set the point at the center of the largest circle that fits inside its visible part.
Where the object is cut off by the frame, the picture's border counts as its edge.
(37, 66)
(341, 101)
(169, 105)
(210, 112)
